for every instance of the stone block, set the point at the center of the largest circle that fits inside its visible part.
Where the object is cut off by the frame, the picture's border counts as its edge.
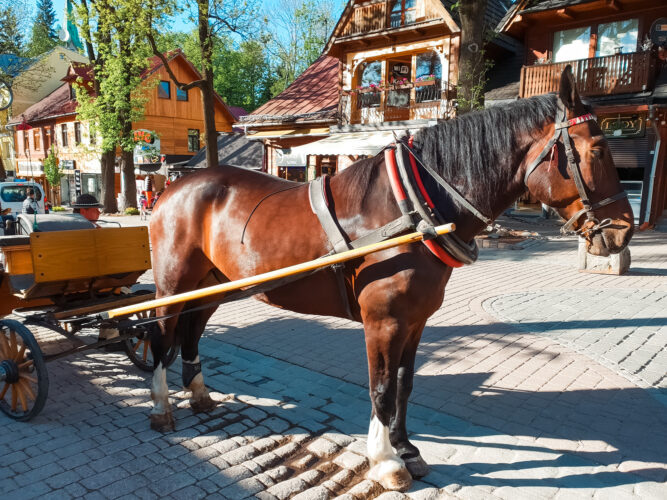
(613, 264)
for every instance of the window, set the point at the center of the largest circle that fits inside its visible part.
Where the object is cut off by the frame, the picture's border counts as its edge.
(37, 138)
(92, 135)
(193, 140)
(181, 95)
(370, 75)
(617, 38)
(570, 45)
(428, 77)
(17, 193)
(164, 90)
(63, 134)
(403, 12)
(72, 92)
(48, 140)
(26, 141)
(77, 133)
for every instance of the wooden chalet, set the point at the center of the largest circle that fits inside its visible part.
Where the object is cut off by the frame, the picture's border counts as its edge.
(389, 65)
(617, 51)
(171, 130)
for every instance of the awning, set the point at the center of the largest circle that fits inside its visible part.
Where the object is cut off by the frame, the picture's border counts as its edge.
(287, 133)
(354, 143)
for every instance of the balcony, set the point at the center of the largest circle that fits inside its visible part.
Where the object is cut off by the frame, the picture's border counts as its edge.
(377, 16)
(597, 76)
(411, 101)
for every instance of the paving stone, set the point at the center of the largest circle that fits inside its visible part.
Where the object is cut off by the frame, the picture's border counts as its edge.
(323, 447)
(316, 493)
(288, 488)
(365, 489)
(352, 461)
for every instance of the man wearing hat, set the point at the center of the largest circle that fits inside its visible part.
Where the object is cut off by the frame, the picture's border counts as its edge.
(88, 206)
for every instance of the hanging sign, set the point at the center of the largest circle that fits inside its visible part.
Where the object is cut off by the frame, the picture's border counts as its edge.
(620, 126)
(286, 158)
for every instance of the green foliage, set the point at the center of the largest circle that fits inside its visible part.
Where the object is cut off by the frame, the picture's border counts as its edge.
(11, 41)
(122, 56)
(52, 170)
(131, 211)
(44, 36)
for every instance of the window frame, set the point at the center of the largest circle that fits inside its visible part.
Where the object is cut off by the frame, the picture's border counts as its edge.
(594, 39)
(37, 139)
(160, 90)
(63, 135)
(403, 12)
(191, 135)
(77, 133)
(184, 93)
(26, 141)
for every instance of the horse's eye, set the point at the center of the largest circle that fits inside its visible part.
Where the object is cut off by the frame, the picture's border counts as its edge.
(596, 154)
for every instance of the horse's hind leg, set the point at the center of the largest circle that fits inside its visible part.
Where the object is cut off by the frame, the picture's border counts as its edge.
(398, 433)
(161, 416)
(384, 345)
(193, 380)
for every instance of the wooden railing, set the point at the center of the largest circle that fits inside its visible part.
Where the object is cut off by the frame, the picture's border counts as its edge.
(616, 74)
(412, 101)
(367, 18)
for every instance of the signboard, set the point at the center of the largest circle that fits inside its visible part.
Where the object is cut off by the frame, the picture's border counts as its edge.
(77, 182)
(619, 126)
(286, 158)
(68, 164)
(147, 148)
(659, 32)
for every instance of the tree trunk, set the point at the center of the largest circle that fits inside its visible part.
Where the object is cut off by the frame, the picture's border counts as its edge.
(129, 185)
(472, 65)
(109, 182)
(207, 92)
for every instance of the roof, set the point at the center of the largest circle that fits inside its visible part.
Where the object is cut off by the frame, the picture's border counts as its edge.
(531, 6)
(57, 103)
(233, 149)
(313, 96)
(79, 70)
(237, 111)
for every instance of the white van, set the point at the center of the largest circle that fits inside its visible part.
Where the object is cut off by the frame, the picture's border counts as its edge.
(12, 195)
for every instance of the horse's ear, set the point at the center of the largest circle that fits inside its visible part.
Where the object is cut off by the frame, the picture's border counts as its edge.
(568, 89)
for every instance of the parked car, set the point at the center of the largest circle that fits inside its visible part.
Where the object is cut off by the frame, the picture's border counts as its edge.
(12, 195)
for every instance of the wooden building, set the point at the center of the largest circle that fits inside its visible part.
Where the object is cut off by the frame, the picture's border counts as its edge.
(389, 65)
(617, 51)
(172, 128)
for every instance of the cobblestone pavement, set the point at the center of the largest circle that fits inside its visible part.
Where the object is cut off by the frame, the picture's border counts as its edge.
(534, 381)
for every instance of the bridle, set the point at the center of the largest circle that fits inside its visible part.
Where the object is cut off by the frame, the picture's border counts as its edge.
(561, 129)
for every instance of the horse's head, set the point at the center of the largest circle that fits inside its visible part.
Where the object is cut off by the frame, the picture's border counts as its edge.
(576, 175)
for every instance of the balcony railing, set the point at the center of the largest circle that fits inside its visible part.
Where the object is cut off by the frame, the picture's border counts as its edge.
(411, 101)
(375, 16)
(616, 74)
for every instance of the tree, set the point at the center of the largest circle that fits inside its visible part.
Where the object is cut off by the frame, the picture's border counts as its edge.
(298, 30)
(11, 41)
(53, 173)
(44, 36)
(472, 63)
(213, 17)
(117, 95)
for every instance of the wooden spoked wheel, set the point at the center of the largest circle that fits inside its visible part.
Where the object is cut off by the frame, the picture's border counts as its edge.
(24, 381)
(139, 348)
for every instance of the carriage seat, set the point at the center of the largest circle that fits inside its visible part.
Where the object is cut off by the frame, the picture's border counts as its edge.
(25, 223)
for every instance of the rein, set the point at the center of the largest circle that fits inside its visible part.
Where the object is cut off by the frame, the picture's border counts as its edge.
(561, 130)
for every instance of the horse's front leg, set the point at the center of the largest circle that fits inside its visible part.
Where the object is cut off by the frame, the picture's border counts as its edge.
(191, 326)
(398, 433)
(384, 346)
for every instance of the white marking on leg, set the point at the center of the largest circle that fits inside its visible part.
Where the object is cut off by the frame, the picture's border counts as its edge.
(160, 391)
(383, 459)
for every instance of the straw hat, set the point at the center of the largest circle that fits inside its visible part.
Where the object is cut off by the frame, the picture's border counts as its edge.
(86, 201)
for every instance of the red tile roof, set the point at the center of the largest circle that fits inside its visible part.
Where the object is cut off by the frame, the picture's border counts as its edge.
(237, 111)
(312, 96)
(57, 103)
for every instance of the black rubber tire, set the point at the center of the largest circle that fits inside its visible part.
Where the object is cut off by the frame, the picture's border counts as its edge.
(32, 353)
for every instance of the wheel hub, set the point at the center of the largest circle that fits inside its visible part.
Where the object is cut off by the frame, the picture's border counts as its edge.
(9, 371)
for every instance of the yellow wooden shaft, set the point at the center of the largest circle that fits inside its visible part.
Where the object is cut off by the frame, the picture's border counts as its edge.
(274, 275)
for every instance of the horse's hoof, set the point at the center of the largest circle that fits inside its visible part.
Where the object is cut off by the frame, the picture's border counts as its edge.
(203, 405)
(392, 475)
(417, 467)
(162, 422)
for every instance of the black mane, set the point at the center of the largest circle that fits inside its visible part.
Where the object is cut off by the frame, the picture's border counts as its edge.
(477, 151)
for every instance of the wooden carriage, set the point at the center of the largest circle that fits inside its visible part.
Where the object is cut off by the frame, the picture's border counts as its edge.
(57, 269)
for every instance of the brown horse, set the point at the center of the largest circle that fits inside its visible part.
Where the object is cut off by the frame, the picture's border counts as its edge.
(197, 226)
